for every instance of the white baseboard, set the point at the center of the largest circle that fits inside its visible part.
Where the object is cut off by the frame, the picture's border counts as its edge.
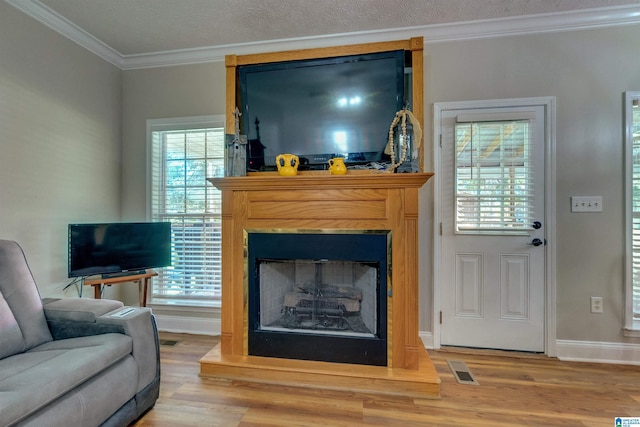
(581, 351)
(427, 338)
(567, 350)
(188, 325)
(598, 352)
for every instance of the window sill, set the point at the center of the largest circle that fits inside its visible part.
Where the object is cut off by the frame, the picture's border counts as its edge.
(634, 331)
(185, 305)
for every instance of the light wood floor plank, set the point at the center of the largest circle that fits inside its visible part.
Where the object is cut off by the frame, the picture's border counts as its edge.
(515, 390)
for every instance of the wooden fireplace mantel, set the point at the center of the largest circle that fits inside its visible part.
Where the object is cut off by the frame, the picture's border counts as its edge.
(319, 201)
(321, 179)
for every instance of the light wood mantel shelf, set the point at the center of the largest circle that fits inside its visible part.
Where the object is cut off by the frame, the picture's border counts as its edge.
(271, 181)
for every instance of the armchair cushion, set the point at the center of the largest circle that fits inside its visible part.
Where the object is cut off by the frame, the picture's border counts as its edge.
(38, 377)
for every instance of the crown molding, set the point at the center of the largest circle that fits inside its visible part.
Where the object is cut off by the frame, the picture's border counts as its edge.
(439, 33)
(535, 24)
(469, 30)
(63, 26)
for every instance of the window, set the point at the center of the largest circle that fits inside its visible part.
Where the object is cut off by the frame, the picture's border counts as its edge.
(493, 188)
(183, 153)
(632, 126)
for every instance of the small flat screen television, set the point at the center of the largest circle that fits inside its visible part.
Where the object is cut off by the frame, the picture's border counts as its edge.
(321, 108)
(113, 249)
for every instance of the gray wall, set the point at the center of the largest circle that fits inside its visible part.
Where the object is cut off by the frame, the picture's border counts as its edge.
(60, 147)
(155, 93)
(73, 144)
(587, 71)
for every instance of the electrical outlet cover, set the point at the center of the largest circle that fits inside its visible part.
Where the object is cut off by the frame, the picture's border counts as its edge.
(596, 305)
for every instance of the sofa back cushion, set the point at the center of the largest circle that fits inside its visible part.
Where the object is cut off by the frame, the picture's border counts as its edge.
(10, 334)
(22, 322)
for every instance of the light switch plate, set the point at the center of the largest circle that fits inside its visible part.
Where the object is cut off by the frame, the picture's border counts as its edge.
(586, 203)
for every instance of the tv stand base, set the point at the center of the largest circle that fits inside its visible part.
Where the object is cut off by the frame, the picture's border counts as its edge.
(141, 277)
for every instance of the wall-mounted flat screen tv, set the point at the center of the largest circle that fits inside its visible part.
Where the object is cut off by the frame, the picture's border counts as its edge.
(118, 248)
(321, 108)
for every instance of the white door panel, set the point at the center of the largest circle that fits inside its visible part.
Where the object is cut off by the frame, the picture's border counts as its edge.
(468, 285)
(514, 287)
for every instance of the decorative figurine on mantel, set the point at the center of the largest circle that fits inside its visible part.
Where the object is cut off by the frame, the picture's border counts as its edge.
(237, 150)
(287, 164)
(407, 142)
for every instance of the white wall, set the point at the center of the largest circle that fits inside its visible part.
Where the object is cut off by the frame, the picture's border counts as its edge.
(60, 127)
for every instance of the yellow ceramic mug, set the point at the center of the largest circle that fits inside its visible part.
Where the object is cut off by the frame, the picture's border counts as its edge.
(287, 164)
(337, 166)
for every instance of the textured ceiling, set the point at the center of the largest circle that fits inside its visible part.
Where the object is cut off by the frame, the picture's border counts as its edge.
(133, 27)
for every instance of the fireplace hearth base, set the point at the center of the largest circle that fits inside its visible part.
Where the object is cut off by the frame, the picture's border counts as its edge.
(423, 383)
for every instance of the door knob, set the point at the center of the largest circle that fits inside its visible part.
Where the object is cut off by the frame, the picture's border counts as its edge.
(536, 242)
(536, 225)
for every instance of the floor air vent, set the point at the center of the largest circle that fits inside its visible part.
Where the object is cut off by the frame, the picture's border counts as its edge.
(461, 372)
(169, 343)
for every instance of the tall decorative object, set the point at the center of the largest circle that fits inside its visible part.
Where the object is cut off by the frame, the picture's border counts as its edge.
(403, 147)
(236, 150)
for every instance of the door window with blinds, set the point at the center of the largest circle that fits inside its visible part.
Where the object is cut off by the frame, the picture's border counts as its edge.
(493, 188)
(632, 125)
(184, 152)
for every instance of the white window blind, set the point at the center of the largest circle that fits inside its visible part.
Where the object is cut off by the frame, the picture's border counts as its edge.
(182, 157)
(635, 212)
(494, 189)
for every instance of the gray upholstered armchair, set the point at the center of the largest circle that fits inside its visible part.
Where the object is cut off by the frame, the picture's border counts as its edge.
(71, 361)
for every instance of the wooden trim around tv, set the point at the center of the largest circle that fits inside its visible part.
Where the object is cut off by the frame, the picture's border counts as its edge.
(415, 45)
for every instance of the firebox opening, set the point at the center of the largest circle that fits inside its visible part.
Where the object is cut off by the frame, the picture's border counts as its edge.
(318, 296)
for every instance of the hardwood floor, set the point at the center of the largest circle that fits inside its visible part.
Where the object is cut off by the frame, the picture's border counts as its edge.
(515, 390)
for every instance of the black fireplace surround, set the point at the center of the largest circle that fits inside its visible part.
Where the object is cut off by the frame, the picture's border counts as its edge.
(324, 339)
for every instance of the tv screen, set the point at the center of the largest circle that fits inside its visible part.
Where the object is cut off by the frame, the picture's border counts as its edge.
(321, 108)
(113, 248)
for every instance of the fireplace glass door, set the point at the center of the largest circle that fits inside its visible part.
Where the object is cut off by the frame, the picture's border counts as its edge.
(318, 296)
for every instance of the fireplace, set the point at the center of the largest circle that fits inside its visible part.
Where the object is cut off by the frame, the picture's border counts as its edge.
(383, 207)
(316, 200)
(318, 295)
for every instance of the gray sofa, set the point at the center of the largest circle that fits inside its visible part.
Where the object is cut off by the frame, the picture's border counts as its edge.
(71, 361)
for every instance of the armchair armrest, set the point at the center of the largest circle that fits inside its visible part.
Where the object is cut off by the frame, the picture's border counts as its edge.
(140, 325)
(78, 309)
(76, 317)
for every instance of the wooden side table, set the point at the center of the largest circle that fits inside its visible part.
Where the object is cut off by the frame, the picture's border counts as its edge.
(142, 279)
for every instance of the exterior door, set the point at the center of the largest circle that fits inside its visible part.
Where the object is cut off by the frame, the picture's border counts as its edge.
(492, 228)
